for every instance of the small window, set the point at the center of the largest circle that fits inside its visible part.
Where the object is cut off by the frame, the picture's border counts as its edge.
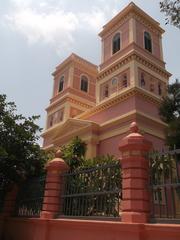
(116, 43)
(51, 120)
(159, 89)
(84, 83)
(114, 81)
(61, 115)
(147, 41)
(151, 87)
(61, 84)
(125, 80)
(143, 83)
(106, 91)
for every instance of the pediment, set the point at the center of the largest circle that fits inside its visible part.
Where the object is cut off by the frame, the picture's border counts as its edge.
(72, 126)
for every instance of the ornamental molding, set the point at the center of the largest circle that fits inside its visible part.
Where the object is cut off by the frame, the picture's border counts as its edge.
(133, 91)
(68, 97)
(107, 32)
(133, 55)
(153, 27)
(77, 102)
(131, 11)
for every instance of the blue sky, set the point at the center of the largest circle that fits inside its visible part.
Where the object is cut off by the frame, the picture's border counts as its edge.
(36, 35)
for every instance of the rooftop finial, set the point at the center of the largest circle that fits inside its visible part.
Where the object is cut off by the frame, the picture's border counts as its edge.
(134, 127)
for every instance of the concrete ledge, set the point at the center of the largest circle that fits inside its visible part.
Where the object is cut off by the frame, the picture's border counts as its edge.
(75, 229)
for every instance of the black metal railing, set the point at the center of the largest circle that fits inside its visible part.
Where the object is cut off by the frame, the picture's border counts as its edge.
(165, 185)
(30, 198)
(92, 192)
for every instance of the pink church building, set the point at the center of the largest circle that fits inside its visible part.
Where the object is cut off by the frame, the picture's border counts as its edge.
(98, 103)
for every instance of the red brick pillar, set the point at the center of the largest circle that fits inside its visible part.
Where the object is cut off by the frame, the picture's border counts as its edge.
(10, 201)
(135, 177)
(53, 187)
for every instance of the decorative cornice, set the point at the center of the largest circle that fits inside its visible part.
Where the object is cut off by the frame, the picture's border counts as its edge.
(128, 49)
(75, 101)
(105, 130)
(71, 98)
(133, 55)
(132, 91)
(109, 31)
(131, 10)
(74, 127)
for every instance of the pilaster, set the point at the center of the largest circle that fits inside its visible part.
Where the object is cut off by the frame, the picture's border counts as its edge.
(52, 203)
(135, 179)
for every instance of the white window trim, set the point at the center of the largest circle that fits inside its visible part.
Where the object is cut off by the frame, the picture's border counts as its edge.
(121, 46)
(62, 76)
(145, 30)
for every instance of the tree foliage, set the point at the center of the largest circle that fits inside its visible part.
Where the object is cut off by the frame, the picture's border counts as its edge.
(170, 113)
(20, 155)
(96, 175)
(171, 8)
(74, 152)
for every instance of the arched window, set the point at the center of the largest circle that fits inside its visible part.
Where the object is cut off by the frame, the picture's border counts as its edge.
(116, 43)
(61, 84)
(147, 41)
(84, 83)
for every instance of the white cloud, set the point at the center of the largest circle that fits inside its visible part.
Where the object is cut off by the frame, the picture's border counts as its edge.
(94, 19)
(52, 28)
(47, 22)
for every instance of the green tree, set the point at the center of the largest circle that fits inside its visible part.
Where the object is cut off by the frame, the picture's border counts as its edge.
(20, 155)
(88, 177)
(74, 152)
(171, 8)
(170, 113)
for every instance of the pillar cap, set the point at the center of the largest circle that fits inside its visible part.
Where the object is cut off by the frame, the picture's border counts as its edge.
(57, 163)
(134, 141)
(134, 127)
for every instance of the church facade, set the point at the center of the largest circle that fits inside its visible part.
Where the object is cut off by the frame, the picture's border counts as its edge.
(98, 103)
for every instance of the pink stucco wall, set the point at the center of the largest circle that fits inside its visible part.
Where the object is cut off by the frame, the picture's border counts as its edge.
(147, 107)
(55, 117)
(133, 103)
(63, 72)
(110, 145)
(155, 38)
(116, 56)
(151, 80)
(116, 87)
(77, 81)
(74, 112)
(124, 31)
(114, 111)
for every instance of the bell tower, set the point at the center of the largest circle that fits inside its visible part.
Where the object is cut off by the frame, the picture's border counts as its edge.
(73, 93)
(135, 34)
(133, 66)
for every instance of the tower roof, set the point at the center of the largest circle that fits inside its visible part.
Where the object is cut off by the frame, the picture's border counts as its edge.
(75, 58)
(131, 8)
